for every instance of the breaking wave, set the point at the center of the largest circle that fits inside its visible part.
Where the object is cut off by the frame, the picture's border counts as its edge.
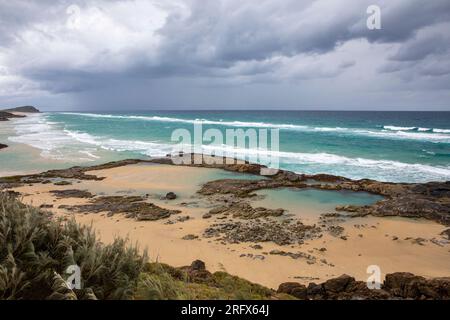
(388, 132)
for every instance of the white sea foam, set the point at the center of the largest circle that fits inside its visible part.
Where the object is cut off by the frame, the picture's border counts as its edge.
(386, 170)
(420, 129)
(395, 128)
(441, 130)
(389, 132)
(192, 121)
(54, 143)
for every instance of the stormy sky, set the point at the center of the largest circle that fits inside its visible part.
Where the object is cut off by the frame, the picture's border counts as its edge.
(224, 54)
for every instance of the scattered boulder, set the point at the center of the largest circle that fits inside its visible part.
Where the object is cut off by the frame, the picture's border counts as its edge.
(197, 272)
(190, 237)
(171, 196)
(294, 289)
(338, 284)
(198, 265)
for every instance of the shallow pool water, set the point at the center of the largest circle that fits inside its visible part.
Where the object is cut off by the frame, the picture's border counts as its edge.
(311, 202)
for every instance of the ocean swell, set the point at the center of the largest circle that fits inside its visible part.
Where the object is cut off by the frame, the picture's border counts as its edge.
(388, 132)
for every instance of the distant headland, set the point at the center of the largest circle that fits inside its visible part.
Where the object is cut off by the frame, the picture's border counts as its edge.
(6, 114)
(26, 109)
(17, 112)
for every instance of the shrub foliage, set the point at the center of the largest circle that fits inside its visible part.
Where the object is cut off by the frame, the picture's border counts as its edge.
(36, 249)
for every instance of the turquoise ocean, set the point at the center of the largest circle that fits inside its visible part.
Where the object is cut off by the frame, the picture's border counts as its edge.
(387, 146)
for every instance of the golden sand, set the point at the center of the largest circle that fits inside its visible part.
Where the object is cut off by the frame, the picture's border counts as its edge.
(372, 244)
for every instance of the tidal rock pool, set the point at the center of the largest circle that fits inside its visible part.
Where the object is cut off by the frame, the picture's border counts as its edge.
(309, 203)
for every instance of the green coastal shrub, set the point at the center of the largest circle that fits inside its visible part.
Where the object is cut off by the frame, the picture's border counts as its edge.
(35, 251)
(163, 282)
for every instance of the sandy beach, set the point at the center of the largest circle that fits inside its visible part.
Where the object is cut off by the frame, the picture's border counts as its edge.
(388, 242)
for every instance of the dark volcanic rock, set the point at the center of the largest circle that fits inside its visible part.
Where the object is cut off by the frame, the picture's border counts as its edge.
(338, 284)
(78, 173)
(198, 265)
(400, 285)
(72, 193)
(412, 206)
(243, 188)
(197, 272)
(335, 231)
(2, 146)
(133, 207)
(257, 231)
(407, 285)
(430, 201)
(190, 237)
(171, 196)
(294, 289)
(62, 183)
(246, 211)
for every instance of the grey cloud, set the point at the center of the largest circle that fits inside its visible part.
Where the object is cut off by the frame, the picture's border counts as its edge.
(221, 43)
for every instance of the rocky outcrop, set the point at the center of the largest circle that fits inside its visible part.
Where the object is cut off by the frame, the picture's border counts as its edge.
(400, 285)
(245, 211)
(207, 161)
(281, 233)
(243, 188)
(408, 286)
(133, 207)
(71, 193)
(429, 201)
(411, 206)
(3, 146)
(79, 173)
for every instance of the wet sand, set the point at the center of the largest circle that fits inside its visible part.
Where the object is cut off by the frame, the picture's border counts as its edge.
(369, 239)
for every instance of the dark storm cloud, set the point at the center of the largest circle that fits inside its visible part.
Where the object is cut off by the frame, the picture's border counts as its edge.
(197, 44)
(215, 36)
